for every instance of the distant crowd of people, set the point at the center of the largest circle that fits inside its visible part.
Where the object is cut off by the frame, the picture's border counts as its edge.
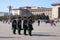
(52, 22)
(27, 25)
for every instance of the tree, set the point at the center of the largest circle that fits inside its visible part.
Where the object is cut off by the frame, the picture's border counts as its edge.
(47, 17)
(43, 16)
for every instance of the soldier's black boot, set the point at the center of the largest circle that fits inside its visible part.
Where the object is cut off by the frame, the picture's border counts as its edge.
(19, 32)
(30, 32)
(14, 31)
(25, 32)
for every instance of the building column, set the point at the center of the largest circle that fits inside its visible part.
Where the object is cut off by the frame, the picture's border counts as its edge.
(54, 12)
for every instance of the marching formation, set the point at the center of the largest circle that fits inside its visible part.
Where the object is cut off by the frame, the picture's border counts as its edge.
(27, 25)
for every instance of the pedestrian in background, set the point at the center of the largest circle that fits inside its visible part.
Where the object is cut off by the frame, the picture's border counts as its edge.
(38, 22)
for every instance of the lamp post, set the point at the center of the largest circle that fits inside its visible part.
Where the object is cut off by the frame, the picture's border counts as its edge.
(10, 13)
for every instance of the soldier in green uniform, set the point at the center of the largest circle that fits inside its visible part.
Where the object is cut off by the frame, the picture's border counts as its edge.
(25, 25)
(19, 25)
(30, 27)
(14, 24)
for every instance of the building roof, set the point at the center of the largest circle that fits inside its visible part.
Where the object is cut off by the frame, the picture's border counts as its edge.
(56, 3)
(15, 9)
(31, 8)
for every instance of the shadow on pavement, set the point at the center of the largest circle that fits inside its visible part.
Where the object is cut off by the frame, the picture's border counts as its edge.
(7, 37)
(42, 34)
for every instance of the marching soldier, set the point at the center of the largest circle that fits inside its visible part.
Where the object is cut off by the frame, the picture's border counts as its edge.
(25, 25)
(30, 28)
(14, 24)
(19, 25)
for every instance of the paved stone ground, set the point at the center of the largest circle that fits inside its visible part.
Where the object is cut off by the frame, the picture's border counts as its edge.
(42, 32)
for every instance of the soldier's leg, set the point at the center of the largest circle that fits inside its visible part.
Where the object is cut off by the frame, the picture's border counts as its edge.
(38, 24)
(19, 32)
(30, 32)
(25, 32)
(14, 31)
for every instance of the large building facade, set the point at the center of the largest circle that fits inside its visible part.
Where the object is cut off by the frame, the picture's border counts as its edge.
(53, 12)
(32, 11)
(56, 10)
(3, 13)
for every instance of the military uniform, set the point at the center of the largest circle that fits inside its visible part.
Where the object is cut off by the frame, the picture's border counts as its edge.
(14, 24)
(25, 26)
(19, 26)
(30, 27)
